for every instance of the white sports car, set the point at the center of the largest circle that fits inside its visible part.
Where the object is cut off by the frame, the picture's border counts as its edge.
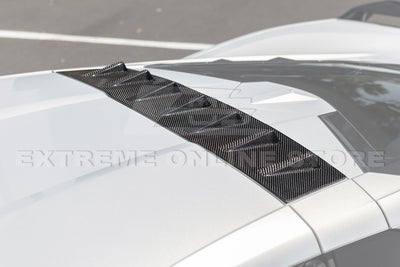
(278, 148)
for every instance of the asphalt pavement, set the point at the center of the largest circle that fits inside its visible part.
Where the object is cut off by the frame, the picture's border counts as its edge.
(193, 21)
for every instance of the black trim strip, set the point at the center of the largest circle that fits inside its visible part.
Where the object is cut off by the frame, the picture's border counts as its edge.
(270, 158)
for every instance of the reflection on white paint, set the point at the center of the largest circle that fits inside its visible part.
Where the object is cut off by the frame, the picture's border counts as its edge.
(290, 97)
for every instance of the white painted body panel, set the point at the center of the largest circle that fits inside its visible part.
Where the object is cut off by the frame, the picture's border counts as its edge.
(261, 243)
(341, 214)
(385, 189)
(50, 112)
(134, 216)
(367, 41)
(160, 205)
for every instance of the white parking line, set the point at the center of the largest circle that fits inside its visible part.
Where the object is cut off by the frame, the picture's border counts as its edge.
(100, 40)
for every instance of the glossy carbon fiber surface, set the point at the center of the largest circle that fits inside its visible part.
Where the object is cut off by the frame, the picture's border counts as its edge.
(276, 162)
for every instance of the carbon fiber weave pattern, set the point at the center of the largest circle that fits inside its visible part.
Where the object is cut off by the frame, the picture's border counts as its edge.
(273, 160)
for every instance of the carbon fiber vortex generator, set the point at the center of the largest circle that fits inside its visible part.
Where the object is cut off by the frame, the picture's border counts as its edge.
(273, 160)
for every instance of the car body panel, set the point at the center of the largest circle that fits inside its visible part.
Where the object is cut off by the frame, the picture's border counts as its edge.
(260, 243)
(384, 188)
(335, 215)
(372, 42)
(145, 202)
